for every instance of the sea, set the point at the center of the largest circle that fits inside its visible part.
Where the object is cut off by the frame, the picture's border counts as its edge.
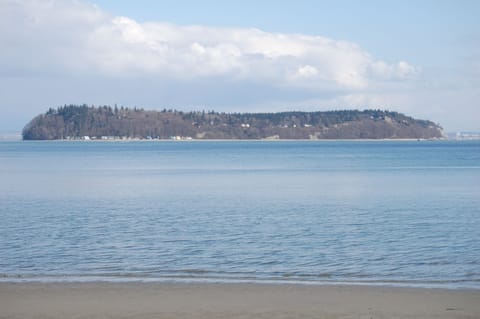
(397, 213)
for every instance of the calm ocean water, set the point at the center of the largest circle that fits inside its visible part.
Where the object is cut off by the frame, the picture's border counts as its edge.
(397, 213)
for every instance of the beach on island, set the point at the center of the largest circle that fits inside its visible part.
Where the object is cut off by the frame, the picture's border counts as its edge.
(239, 300)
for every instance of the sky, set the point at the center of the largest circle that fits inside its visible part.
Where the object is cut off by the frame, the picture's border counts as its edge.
(421, 58)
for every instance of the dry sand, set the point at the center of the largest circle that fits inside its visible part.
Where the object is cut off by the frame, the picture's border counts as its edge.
(164, 300)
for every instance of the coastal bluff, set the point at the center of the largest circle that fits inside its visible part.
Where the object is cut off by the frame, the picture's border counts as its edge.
(106, 122)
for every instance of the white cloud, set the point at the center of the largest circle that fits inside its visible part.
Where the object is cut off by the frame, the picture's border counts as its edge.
(76, 37)
(69, 51)
(307, 71)
(398, 71)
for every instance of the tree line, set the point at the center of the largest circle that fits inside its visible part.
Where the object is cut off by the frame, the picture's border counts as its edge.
(74, 121)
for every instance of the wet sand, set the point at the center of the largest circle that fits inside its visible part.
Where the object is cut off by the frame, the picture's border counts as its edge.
(166, 300)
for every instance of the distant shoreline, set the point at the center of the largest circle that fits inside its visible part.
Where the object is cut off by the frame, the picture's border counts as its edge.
(243, 140)
(13, 136)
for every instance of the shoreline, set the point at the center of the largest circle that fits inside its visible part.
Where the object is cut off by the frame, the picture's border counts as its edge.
(184, 280)
(245, 140)
(223, 300)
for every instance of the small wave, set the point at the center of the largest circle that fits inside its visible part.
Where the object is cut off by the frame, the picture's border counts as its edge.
(313, 276)
(201, 276)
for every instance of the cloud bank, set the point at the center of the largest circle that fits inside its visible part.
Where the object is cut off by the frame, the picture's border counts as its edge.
(69, 51)
(75, 37)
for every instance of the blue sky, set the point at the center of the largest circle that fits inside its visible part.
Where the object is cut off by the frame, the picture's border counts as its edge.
(417, 57)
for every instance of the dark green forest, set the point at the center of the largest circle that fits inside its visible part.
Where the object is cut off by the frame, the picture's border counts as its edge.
(106, 122)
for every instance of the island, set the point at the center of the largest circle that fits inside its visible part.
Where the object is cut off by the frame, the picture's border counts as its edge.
(73, 122)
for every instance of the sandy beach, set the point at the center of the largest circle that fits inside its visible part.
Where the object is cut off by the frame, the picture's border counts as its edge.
(166, 300)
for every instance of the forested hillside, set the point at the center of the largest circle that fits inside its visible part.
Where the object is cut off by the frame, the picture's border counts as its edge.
(82, 121)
